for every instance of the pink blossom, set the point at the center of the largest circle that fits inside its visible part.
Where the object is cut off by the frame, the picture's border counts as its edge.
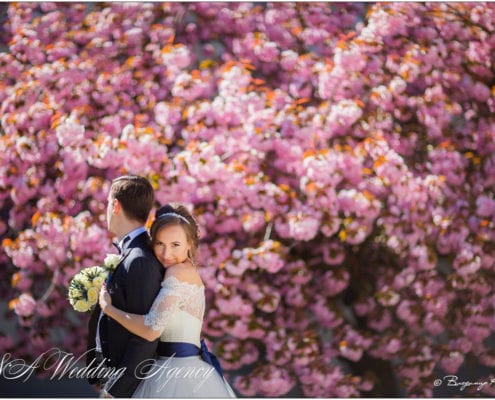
(338, 159)
(485, 206)
(344, 114)
(267, 52)
(467, 262)
(303, 227)
(364, 306)
(246, 385)
(274, 381)
(393, 346)
(325, 315)
(294, 296)
(236, 305)
(405, 312)
(335, 281)
(288, 59)
(25, 305)
(380, 322)
(451, 363)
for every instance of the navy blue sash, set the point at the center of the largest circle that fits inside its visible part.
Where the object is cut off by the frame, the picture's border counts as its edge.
(179, 349)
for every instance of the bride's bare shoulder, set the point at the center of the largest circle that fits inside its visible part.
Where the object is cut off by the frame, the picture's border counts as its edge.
(184, 272)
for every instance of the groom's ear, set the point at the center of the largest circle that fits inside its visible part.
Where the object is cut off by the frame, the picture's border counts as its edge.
(117, 207)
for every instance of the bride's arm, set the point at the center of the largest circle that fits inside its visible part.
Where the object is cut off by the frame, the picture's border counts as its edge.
(149, 326)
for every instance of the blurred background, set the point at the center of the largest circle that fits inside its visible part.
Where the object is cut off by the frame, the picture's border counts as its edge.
(339, 159)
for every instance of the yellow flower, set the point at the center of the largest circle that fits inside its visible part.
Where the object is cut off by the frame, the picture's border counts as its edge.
(98, 281)
(92, 295)
(81, 306)
(85, 286)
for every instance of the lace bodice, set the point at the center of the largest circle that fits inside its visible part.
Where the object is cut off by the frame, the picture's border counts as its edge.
(178, 311)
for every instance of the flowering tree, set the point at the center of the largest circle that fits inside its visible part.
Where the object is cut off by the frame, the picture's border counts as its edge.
(340, 160)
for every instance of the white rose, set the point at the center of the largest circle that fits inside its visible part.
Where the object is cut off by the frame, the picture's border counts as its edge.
(111, 261)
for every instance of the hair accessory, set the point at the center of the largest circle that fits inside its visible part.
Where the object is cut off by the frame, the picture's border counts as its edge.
(172, 214)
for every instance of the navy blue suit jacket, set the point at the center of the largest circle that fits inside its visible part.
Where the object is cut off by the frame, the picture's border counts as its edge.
(133, 286)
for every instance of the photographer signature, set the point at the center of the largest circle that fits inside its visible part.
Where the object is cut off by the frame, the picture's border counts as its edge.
(453, 380)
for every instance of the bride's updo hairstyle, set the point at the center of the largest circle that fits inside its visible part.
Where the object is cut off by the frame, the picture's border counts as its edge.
(176, 214)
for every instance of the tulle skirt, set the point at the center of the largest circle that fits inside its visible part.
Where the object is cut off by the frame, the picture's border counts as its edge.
(184, 377)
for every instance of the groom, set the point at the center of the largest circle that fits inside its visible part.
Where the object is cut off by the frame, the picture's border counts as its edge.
(133, 286)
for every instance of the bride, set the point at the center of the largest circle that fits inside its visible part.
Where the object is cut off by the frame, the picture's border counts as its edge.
(176, 316)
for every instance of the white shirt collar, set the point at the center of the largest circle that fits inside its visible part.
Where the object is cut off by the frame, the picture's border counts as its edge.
(132, 235)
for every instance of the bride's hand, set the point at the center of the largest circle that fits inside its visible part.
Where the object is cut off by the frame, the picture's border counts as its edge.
(105, 300)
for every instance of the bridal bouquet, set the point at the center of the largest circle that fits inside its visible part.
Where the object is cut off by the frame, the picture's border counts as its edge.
(84, 287)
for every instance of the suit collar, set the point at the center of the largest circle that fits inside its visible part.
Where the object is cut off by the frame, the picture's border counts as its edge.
(139, 241)
(130, 236)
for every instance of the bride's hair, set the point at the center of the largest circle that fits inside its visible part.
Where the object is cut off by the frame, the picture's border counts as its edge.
(176, 214)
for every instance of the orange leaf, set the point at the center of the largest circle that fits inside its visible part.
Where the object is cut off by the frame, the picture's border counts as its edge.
(308, 153)
(303, 100)
(56, 119)
(229, 64)
(239, 167)
(368, 195)
(311, 187)
(7, 242)
(250, 180)
(167, 49)
(12, 303)
(270, 95)
(341, 44)
(15, 279)
(379, 162)
(296, 30)
(36, 216)
(248, 65)
(349, 35)
(404, 74)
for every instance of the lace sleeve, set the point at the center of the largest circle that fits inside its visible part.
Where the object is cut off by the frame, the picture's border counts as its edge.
(175, 296)
(165, 304)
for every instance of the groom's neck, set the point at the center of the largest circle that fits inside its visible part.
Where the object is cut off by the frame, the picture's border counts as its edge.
(126, 227)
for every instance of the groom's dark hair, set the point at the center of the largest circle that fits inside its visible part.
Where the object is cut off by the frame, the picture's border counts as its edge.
(135, 194)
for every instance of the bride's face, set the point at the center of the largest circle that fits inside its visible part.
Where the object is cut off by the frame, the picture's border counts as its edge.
(171, 245)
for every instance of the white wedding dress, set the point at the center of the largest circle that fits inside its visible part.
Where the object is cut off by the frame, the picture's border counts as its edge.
(178, 312)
